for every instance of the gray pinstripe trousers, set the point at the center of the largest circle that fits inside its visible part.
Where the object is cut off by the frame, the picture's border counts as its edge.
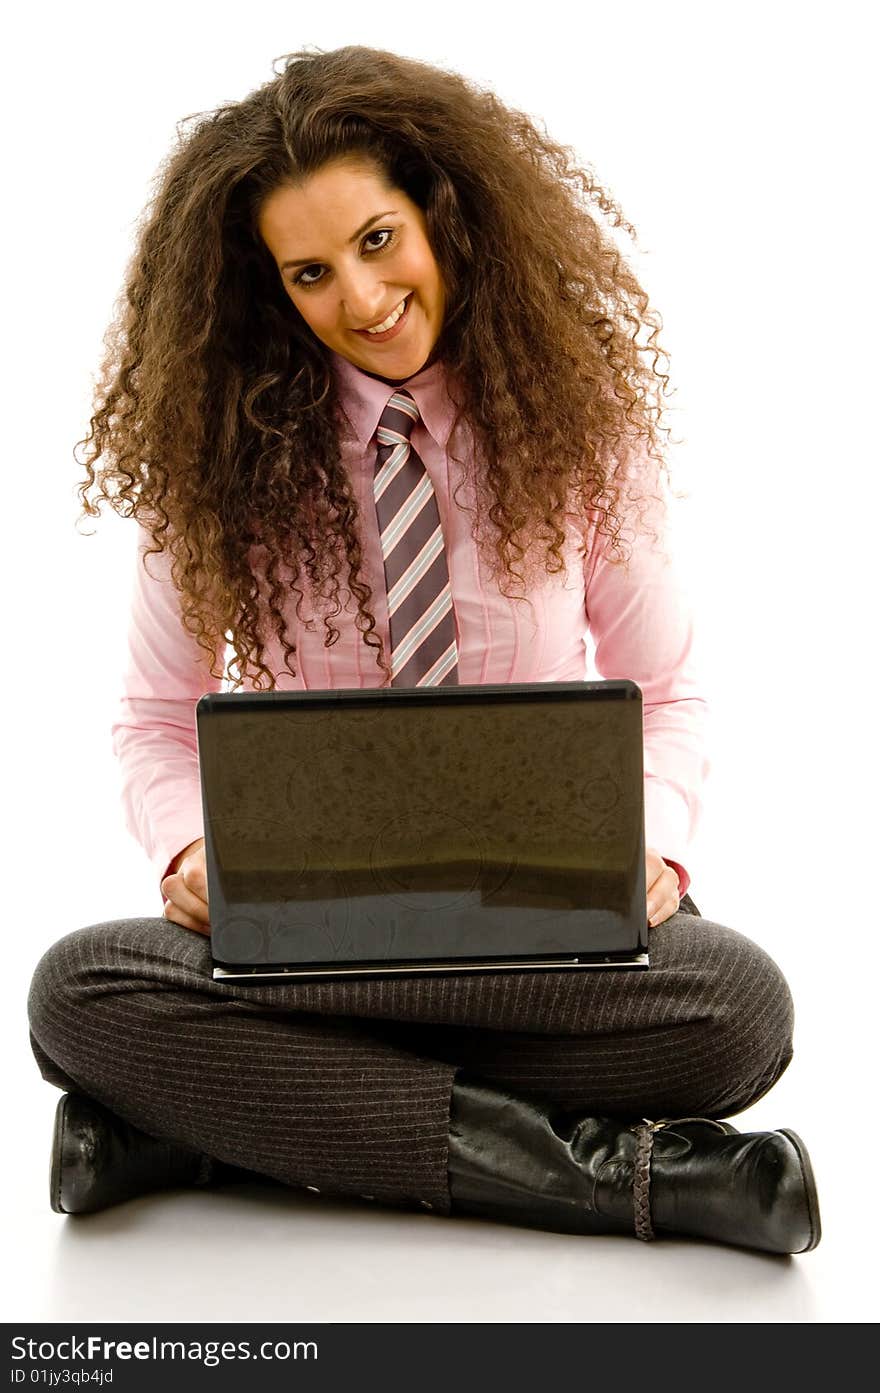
(345, 1085)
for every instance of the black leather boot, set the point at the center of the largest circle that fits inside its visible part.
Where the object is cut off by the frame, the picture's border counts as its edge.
(99, 1160)
(531, 1163)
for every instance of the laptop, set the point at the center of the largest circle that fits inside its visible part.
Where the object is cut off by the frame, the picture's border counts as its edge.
(384, 831)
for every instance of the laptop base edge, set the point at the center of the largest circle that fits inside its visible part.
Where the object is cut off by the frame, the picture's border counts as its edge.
(280, 973)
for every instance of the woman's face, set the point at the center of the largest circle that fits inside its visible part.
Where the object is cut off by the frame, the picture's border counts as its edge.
(359, 251)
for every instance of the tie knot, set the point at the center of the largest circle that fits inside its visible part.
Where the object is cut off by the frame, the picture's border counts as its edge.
(397, 419)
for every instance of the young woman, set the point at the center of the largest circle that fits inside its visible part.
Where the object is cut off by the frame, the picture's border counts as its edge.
(370, 290)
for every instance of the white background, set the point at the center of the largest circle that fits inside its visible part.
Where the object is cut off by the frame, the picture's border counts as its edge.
(740, 141)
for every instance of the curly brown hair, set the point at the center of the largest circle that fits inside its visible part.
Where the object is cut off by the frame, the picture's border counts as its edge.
(216, 408)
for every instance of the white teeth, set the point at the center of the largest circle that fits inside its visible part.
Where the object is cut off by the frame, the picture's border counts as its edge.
(392, 319)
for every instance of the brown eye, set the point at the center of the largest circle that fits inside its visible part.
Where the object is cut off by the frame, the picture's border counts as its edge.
(381, 232)
(298, 279)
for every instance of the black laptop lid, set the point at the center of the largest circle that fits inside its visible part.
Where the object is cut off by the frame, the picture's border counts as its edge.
(380, 825)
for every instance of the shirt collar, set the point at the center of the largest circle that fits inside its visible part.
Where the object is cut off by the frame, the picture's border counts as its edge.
(364, 398)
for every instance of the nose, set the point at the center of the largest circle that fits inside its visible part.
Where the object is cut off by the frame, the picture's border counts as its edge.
(363, 297)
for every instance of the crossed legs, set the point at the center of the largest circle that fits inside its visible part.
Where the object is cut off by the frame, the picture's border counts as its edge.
(346, 1085)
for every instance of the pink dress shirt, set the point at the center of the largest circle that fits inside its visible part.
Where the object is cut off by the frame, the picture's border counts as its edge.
(638, 620)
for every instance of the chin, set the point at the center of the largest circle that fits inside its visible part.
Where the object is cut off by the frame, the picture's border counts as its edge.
(408, 366)
(399, 370)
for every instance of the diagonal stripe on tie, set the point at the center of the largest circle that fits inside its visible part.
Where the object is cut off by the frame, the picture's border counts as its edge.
(420, 611)
(411, 607)
(423, 627)
(390, 470)
(405, 516)
(437, 675)
(414, 572)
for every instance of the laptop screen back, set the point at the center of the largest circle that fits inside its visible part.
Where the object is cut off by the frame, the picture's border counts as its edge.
(383, 825)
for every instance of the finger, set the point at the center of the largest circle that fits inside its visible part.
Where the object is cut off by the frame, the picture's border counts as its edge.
(181, 916)
(662, 883)
(665, 911)
(195, 878)
(664, 888)
(175, 888)
(186, 921)
(655, 867)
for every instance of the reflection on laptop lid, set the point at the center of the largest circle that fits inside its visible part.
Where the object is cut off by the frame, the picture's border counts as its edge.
(432, 829)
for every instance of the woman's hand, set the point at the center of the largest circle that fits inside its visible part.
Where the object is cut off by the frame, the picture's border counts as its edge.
(186, 889)
(662, 883)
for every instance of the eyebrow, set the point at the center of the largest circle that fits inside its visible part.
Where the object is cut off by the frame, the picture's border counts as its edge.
(315, 260)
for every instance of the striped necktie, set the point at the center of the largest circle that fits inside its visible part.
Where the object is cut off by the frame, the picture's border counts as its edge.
(423, 647)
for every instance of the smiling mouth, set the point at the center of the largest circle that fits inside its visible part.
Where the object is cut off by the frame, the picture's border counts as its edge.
(390, 322)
